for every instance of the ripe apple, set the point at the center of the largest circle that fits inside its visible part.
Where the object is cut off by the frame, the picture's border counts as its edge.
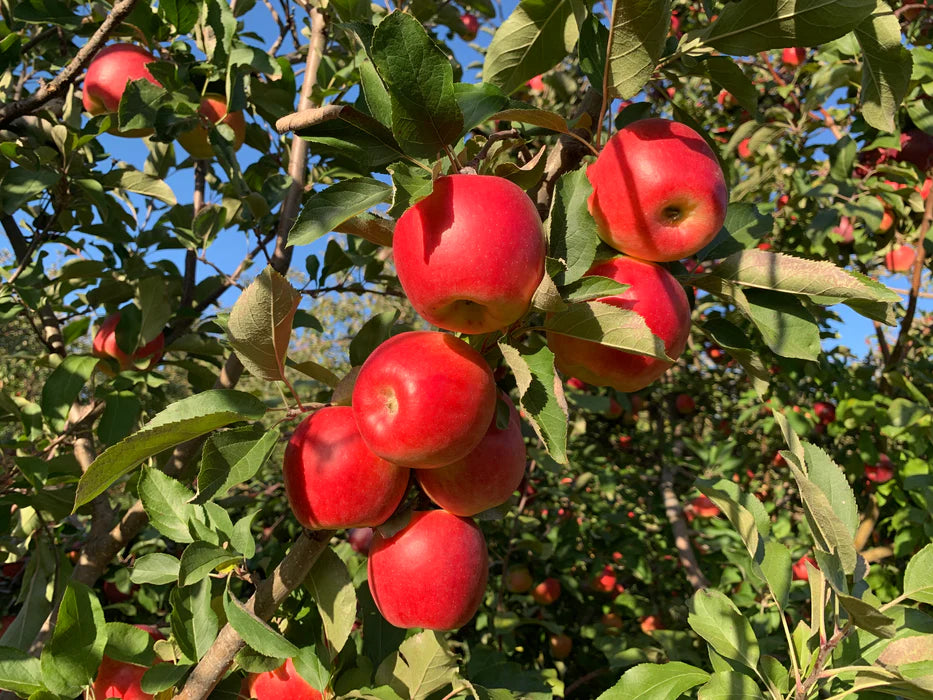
(575, 383)
(887, 218)
(518, 580)
(106, 78)
(655, 296)
(470, 26)
(916, 148)
(283, 682)
(604, 581)
(212, 110)
(685, 404)
(793, 57)
(704, 507)
(625, 442)
(424, 399)
(612, 620)
(546, 592)
(560, 645)
(430, 574)
(484, 478)
(105, 347)
(800, 572)
(825, 411)
(332, 480)
(536, 84)
(744, 151)
(900, 259)
(463, 268)
(658, 191)
(360, 539)
(120, 679)
(882, 471)
(845, 230)
(650, 623)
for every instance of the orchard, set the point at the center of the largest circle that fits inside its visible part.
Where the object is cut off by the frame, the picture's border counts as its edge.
(451, 349)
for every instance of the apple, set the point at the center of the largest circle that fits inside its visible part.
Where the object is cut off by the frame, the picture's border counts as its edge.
(212, 110)
(704, 507)
(887, 219)
(547, 592)
(793, 56)
(605, 581)
(900, 259)
(470, 26)
(625, 442)
(484, 478)
(825, 411)
(614, 410)
(685, 404)
(332, 480)
(424, 399)
(464, 268)
(115, 595)
(654, 295)
(106, 78)
(105, 347)
(745, 153)
(120, 679)
(575, 383)
(880, 472)
(360, 539)
(611, 620)
(650, 623)
(845, 230)
(916, 148)
(430, 574)
(725, 99)
(283, 682)
(658, 191)
(800, 572)
(536, 84)
(560, 645)
(518, 580)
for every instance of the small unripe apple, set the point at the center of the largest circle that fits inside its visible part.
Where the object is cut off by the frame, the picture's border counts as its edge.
(283, 682)
(470, 255)
(470, 26)
(212, 110)
(424, 399)
(430, 574)
(655, 296)
(793, 56)
(120, 679)
(105, 346)
(332, 480)
(560, 645)
(547, 592)
(484, 478)
(900, 259)
(518, 580)
(685, 404)
(106, 78)
(800, 572)
(658, 191)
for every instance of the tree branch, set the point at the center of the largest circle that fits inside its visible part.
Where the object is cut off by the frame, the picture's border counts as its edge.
(675, 516)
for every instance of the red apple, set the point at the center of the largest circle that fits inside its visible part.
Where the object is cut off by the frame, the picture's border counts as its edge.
(115, 595)
(614, 410)
(470, 26)
(900, 259)
(575, 383)
(650, 623)
(424, 399)
(793, 57)
(887, 218)
(745, 153)
(105, 347)
(332, 480)
(800, 572)
(655, 296)
(658, 191)
(882, 471)
(470, 255)
(625, 442)
(916, 148)
(430, 574)
(825, 411)
(518, 580)
(612, 620)
(486, 477)
(605, 581)
(120, 679)
(845, 230)
(106, 78)
(560, 645)
(685, 404)
(283, 682)
(536, 84)
(212, 110)
(704, 507)
(360, 539)
(547, 592)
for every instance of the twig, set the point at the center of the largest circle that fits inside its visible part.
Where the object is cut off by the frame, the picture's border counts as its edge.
(191, 255)
(77, 65)
(826, 650)
(675, 516)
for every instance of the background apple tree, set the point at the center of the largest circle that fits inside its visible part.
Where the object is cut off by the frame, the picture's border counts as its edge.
(675, 520)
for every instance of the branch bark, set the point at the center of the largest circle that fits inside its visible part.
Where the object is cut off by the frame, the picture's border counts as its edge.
(675, 516)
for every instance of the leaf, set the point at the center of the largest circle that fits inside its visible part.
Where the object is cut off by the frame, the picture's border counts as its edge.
(128, 643)
(592, 289)
(147, 185)
(155, 568)
(725, 73)
(22, 185)
(410, 185)
(381, 638)
(867, 617)
(478, 102)
(603, 323)
(572, 232)
(374, 229)
(166, 501)
(315, 371)
(918, 576)
(732, 338)
(730, 685)
(591, 47)
(19, 672)
(375, 93)
(70, 659)
(194, 622)
(256, 633)
(199, 559)
(637, 35)
(121, 413)
(715, 618)
(373, 333)
(788, 328)
(425, 115)
(886, 67)
(326, 209)
(518, 112)
(656, 682)
(183, 420)
(181, 14)
(534, 38)
(331, 587)
(353, 137)
(155, 302)
(162, 677)
(541, 395)
(747, 27)
(908, 650)
(776, 569)
(62, 388)
(232, 457)
(831, 480)
(422, 665)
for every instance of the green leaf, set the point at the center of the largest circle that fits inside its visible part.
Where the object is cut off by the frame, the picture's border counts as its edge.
(637, 35)
(730, 337)
(747, 27)
(373, 333)
(410, 184)
(725, 73)
(425, 115)
(331, 587)
(715, 618)
(788, 328)
(534, 38)
(19, 672)
(355, 138)
(217, 43)
(592, 288)
(591, 47)
(421, 666)
(194, 622)
(572, 232)
(541, 395)
(918, 576)
(147, 185)
(62, 388)
(182, 421)
(162, 677)
(656, 682)
(323, 211)
(867, 617)
(233, 456)
(310, 667)
(199, 559)
(70, 659)
(121, 413)
(21, 185)
(776, 569)
(129, 643)
(242, 538)
(167, 503)
(623, 329)
(155, 568)
(478, 102)
(155, 302)
(886, 67)
(743, 228)
(375, 93)
(831, 480)
(260, 325)
(730, 685)
(181, 14)
(256, 633)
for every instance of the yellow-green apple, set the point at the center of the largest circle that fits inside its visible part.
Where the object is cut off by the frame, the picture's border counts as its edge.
(121, 679)
(685, 404)
(900, 259)
(800, 572)
(658, 191)
(283, 682)
(654, 295)
(105, 347)
(470, 26)
(333, 480)
(430, 574)
(106, 78)
(424, 399)
(212, 110)
(484, 478)
(518, 580)
(793, 56)
(560, 645)
(547, 592)
(470, 255)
